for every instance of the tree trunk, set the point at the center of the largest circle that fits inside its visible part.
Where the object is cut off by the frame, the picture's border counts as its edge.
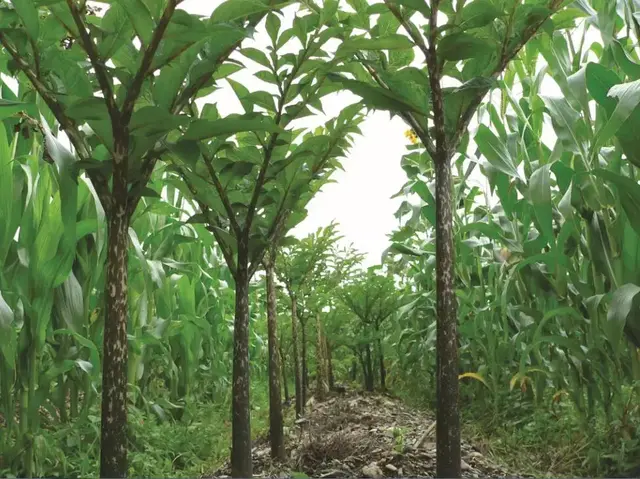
(283, 369)
(241, 422)
(305, 371)
(332, 383)
(322, 386)
(276, 431)
(448, 457)
(364, 369)
(369, 372)
(383, 371)
(113, 445)
(296, 357)
(354, 369)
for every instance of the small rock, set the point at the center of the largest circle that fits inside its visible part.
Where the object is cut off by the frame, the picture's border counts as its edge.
(372, 470)
(400, 472)
(391, 467)
(464, 466)
(475, 454)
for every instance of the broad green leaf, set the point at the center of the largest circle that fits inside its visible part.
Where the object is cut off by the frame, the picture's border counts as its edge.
(629, 194)
(495, 151)
(540, 197)
(628, 95)
(201, 129)
(374, 96)
(461, 46)
(623, 308)
(231, 10)
(117, 28)
(393, 41)
(29, 16)
(418, 5)
(141, 19)
(479, 13)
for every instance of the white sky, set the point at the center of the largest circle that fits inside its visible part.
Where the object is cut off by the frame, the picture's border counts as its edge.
(360, 197)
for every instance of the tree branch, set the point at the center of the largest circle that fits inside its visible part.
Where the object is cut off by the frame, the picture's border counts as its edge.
(223, 196)
(147, 59)
(98, 66)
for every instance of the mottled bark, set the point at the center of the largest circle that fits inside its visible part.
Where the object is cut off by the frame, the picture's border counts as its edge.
(113, 446)
(327, 346)
(305, 370)
(241, 415)
(276, 431)
(448, 415)
(283, 370)
(322, 380)
(296, 357)
(369, 369)
(354, 369)
(383, 371)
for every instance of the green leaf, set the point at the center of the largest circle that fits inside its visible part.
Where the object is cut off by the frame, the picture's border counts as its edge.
(257, 56)
(540, 196)
(201, 129)
(29, 15)
(393, 41)
(417, 5)
(235, 9)
(479, 13)
(117, 30)
(628, 66)
(151, 120)
(273, 26)
(141, 19)
(495, 151)
(629, 194)
(374, 96)
(622, 309)
(628, 95)
(461, 46)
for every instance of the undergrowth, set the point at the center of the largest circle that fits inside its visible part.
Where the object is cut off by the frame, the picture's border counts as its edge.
(194, 445)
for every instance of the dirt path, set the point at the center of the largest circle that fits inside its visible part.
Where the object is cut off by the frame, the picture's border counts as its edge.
(362, 435)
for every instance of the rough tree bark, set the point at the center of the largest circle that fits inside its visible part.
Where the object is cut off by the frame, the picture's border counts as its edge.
(276, 431)
(327, 346)
(241, 414)
(322, 383)
(305, 370)
(296, 357)
(369, 369)
(383, 371)
(283, 369)
(113, 452)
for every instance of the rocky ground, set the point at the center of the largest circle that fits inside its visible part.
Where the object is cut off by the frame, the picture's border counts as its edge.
(362, 435)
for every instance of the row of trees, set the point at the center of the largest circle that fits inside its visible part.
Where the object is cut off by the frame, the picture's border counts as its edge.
(123, 87)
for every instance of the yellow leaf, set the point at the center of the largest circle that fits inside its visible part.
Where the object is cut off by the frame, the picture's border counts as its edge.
(475, 376)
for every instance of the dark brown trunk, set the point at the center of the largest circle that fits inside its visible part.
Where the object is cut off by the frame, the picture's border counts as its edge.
(369, 367)
(296, 357)
(305, 371)
(332, 382)
(276, 431)
(448, 416)
(241, 422)
(113, 446)
(363, 364)
(383, 371)
(322, 381)
(283, 369)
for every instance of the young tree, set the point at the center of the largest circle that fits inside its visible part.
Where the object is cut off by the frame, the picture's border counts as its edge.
(298, 265)
(276, 426)
(249, 190)
(118, 85)
(372, 298)
(473, 43)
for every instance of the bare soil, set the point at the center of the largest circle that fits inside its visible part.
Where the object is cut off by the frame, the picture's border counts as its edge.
(357, 434)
